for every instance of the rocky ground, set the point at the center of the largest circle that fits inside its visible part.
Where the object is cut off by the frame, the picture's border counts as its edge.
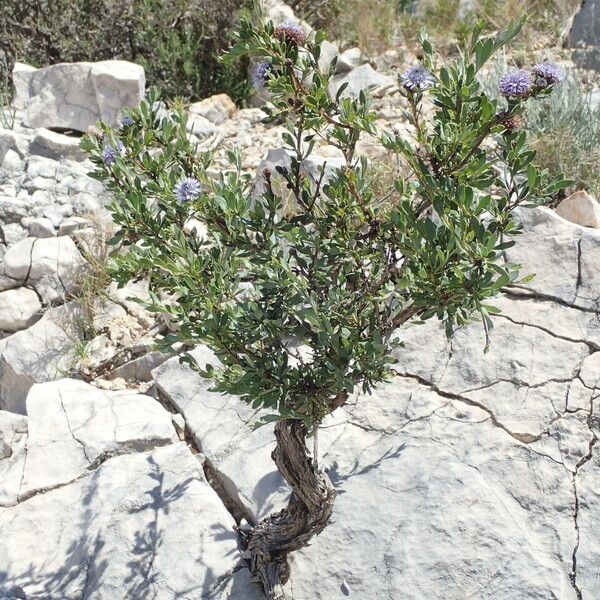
(469, 475)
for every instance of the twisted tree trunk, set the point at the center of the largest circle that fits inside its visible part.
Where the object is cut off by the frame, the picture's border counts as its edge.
(306, 514)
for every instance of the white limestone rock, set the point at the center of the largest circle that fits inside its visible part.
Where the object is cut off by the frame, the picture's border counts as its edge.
(580, 208)
(76, 95)
(349, 59)
(140, 368)
(588, 521)
(221, 426)
(51, 265)
(13, 447)
(329, 51)
(20, 75)
(217, 109)
(364, 78)
(441, 503)
(12, 233)
(43, 352)
(13, 209)
(12, 428)
(563, 256)
(12, 164)
(590, 372)
(197, 228)
(13, 140)
(40, 227)
(250, 116)
(19, 308)
(124, 296)
(106, 312)
(74, 426)
(143, 525)
(522, 379)
(278, 12)
(73, 225)
(568, 322)
(56, 145)
(200, 127)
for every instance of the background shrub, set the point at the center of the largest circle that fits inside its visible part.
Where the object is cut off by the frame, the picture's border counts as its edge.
(374, 25)
(564, 128)
(176, 41)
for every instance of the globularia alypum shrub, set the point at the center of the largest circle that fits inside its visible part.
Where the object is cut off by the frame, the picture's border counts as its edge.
(299, 300)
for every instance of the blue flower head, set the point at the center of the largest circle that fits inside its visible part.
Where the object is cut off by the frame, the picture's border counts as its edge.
(127, 120)
(187, 189)
(260, 73)
(515, 84)
(109, 154)
(417, 78)
(548, 73)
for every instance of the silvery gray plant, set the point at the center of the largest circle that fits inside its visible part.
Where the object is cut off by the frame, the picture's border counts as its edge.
(564, 128)
(300, 300)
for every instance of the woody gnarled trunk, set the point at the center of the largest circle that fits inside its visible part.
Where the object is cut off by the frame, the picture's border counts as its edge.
(306, 514)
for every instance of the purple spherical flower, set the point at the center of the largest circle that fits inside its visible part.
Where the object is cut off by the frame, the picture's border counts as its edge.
(515, 83)
(260, 73)
(417, 78)
(290, 32)
(549, 73)
(127, 120)
(109, 154)
(187, 189)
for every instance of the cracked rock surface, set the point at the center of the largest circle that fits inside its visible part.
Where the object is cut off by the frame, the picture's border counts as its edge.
(76, 95)
(468, 475)
(74, 426)
(99, 499)
(50, 265)
(141, 525)
(43, 352)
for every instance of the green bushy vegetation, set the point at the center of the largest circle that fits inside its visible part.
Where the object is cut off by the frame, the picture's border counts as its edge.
(177, 41)
(301, 306)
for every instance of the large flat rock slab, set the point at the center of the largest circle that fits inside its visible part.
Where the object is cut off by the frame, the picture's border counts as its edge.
(144, 525)
(76, 95)
(524, 379)
(74, 426)
(562, 255)
(43, 352)
(439, 503)
(222, 428)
